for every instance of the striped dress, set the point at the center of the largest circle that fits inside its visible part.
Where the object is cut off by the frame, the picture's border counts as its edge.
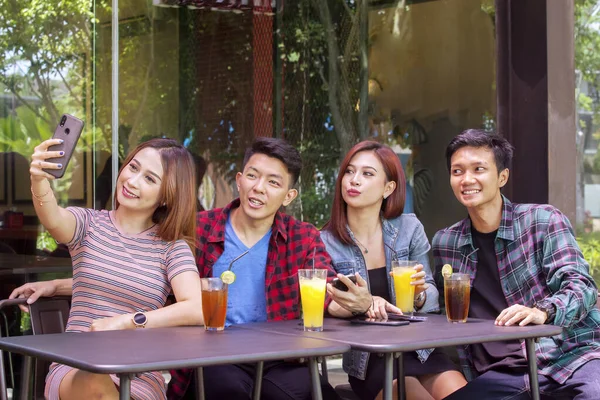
(113, 274)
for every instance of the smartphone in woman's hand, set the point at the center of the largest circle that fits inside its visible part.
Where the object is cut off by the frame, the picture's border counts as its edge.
(68, 129)
(338, 284)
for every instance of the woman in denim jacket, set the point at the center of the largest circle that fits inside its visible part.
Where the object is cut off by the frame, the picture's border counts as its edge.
(366, 232)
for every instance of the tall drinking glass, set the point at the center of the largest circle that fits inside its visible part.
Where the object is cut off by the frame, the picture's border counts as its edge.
(402, 271)
(214, 303)
(312, 293)
(457, 294)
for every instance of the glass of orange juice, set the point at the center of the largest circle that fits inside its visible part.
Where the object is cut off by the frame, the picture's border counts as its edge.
(312, 293)
(402, 271)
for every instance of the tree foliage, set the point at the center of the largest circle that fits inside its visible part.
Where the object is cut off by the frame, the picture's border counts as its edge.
(587, 65)
(40, 43)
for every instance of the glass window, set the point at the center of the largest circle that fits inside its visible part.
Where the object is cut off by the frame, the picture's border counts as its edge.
(587, 223)
(215, 77)
(46, 70)
(431, 74)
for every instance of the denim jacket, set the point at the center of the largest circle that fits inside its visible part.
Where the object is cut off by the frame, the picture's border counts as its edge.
(404, 239)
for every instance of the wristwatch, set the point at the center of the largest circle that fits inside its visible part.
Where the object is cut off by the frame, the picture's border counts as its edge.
(548, 308)
(420, 299)
(139, 320)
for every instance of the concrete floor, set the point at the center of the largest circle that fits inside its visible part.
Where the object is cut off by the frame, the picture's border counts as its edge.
(337, 376)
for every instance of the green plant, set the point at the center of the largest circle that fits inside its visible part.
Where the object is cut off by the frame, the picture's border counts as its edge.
(590, 247)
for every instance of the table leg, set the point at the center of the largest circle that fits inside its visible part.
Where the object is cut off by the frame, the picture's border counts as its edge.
(315, 380)
(532, 362)
(26, 374)
(258, 380)
(124, 387)
(401, 386)
(3, 395)
(200, 395)
(388, 380)
(324, 372)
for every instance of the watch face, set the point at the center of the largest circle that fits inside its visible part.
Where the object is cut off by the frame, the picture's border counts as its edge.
(139, 318)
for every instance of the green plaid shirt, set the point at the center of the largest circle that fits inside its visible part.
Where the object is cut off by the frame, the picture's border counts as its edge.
(539, 261)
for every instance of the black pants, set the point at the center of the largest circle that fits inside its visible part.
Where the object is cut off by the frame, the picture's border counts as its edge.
(281, 381)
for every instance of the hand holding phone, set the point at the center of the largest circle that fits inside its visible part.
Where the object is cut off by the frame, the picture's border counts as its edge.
(68, 130)
(338, 284)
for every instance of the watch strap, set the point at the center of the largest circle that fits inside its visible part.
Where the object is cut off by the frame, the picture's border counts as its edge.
(420, 299)
(549, 308)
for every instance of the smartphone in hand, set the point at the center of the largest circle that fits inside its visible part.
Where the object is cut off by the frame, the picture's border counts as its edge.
(69, 130)
(338, 284)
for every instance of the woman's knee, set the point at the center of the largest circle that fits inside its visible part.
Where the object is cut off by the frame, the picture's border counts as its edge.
(79, 384)
(443, 384)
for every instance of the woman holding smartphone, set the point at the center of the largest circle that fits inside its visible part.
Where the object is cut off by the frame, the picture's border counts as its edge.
(125, 261)
(366, 232)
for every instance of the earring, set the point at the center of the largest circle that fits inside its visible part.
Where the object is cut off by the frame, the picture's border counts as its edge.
(385, 197)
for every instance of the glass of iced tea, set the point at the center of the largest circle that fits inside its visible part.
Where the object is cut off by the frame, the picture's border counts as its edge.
(313, 283)
(402, 271)
(214, 303)
(457, 294)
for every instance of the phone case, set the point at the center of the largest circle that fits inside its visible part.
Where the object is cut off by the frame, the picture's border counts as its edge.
(68, 129)
(411, 318)
(338, 284)
(386, 322)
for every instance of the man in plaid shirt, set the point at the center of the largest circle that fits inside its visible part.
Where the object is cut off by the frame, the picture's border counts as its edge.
(525, 268)
(272, 246)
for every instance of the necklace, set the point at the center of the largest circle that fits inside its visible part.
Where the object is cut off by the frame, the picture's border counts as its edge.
(365, 250)
(353, 236)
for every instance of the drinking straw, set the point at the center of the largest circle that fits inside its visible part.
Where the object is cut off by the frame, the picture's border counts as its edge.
(237, 258)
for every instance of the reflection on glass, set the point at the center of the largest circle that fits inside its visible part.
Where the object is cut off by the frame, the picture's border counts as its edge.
(45, 71)
(431, 75)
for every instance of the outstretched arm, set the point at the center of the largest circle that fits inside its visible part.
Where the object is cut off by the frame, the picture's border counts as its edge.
(58, 221)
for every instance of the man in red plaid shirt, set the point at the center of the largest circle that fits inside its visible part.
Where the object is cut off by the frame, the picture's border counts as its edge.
(266, 284)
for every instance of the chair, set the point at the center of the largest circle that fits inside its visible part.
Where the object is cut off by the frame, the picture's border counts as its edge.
(6, 249)
(48, 315)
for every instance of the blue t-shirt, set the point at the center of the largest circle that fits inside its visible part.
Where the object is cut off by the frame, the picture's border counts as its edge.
(246, 299)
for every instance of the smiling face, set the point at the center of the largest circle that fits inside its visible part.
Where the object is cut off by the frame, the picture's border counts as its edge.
(365, 183)
(474, 177)
(139, 183)
(264, 186)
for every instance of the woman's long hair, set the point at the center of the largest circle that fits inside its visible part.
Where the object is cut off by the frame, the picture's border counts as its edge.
(391, 207)
(176, 214)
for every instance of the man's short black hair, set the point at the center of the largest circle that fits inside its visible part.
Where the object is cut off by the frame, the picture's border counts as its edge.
(279, 149)
(502, 149)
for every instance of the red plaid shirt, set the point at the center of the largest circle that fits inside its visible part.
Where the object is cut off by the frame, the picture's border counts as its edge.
(291, 248)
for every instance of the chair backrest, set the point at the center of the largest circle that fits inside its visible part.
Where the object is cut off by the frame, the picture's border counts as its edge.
(48, 315)
(4, 248)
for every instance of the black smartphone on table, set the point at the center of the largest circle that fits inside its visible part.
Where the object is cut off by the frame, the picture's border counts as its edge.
(69, 130)
(410, 318)
(373, 321)
(338, 284)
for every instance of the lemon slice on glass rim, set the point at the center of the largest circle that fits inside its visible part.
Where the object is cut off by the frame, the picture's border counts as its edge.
(228, 277)
(447, 270)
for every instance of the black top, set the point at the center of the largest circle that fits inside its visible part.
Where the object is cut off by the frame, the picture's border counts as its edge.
(378, 283)
(487, 301)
